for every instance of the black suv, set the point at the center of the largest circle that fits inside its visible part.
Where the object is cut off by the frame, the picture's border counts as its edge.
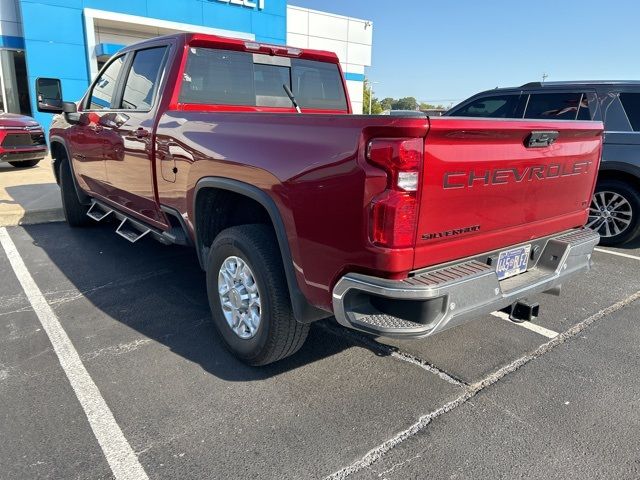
(615, 209)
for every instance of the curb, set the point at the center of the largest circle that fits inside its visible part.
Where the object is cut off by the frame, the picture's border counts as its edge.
(31, 217)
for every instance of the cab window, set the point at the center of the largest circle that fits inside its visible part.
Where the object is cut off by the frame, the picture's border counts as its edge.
(104, 88)
(143, 78)
(221, 77)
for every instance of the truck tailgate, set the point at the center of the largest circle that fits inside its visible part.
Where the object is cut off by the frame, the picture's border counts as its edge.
(486, 186)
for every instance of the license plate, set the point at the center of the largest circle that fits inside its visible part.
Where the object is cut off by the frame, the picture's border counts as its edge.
(513, 262)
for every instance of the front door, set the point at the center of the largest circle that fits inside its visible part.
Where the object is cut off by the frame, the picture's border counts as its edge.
(87, 138)
(128, 135)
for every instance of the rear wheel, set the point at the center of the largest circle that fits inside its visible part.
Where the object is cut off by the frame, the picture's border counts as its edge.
(74, 212)
(615, 212)
(25, 164)
(249, 298)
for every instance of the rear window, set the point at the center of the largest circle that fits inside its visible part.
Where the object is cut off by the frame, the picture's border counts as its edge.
(499, 106)
(558, 106)
(222, 77)
(631, 104)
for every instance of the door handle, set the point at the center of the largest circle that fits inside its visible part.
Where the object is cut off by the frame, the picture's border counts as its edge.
(141, 133)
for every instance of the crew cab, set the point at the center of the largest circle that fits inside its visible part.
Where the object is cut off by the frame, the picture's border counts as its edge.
(299, 210)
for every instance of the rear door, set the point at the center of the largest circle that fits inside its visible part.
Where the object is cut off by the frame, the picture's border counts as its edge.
(129, 131)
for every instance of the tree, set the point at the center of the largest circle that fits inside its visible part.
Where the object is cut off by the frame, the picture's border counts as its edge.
(406, 103)
(387, 103)
(427, 106)
(430, 106)
(376, 108)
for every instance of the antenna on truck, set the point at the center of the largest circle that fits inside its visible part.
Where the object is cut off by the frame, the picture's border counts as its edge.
(291, 97)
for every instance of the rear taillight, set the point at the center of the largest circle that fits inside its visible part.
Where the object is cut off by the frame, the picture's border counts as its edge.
(394, 213)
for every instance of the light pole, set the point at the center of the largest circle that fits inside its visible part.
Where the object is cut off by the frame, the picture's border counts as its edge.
(371, 95)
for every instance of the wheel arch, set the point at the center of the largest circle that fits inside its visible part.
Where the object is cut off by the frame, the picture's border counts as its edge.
(620, 171)
(60, 152)
(303, 310)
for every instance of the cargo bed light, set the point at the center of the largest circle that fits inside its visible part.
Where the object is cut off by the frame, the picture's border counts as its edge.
(252, 46)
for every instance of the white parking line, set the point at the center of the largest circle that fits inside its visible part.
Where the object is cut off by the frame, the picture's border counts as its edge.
(122, 460)
(545, 332)
(617, 254)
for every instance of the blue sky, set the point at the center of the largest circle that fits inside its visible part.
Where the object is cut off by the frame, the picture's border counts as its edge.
(443, 51)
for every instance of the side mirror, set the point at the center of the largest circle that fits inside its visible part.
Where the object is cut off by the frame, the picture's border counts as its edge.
(69, 107)
(49, 94)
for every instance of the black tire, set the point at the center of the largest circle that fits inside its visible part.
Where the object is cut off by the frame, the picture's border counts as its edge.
(604, 189)
(74, 212)
(278, 334)
(25, 163)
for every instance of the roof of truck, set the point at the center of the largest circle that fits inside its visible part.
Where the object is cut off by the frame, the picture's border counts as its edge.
(252, 46)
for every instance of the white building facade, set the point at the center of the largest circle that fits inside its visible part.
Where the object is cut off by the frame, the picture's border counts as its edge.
(350, 38)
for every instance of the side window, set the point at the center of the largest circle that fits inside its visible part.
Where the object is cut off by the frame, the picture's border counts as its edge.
(104, 88)
(631, 104)
(615, 118)
(558, 106)
(499, 106)
(143, 78)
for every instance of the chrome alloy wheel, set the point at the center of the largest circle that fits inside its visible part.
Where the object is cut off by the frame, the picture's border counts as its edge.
(610, 214)
(239, 297)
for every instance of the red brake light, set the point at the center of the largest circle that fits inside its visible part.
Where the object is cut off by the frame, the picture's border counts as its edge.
(394, 213)
(394, 216)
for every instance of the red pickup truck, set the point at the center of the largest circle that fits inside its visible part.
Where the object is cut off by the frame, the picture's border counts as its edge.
(299, 210)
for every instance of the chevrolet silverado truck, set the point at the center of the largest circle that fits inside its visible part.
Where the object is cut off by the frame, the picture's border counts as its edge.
(22, 140)
(299, 210)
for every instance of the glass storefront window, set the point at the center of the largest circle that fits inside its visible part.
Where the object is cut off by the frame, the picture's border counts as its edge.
(14, 84)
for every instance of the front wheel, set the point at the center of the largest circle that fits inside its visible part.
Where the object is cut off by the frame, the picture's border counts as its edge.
(615, 212)
(249, 298)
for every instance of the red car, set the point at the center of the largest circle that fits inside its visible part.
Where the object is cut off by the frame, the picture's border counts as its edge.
(22, 140)
(299, 210)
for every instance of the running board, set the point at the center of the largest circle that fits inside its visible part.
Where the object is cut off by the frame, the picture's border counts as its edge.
(98, 212)
(132, 231)
(131, 228)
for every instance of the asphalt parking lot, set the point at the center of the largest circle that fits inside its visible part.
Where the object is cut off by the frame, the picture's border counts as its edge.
(490, 399)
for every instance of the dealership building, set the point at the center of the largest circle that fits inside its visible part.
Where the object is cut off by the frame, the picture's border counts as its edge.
(72, 39)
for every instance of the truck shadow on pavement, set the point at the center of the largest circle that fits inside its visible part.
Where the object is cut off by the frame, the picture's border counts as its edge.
(156, 290)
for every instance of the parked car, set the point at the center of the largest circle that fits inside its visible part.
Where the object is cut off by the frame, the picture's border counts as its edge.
(299, 210)
(615, 209)
(22, 140)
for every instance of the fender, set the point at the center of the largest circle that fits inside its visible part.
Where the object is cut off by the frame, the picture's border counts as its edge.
(82, 196)
(304, 312)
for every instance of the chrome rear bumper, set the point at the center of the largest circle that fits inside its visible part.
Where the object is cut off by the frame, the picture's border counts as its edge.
(443, 297)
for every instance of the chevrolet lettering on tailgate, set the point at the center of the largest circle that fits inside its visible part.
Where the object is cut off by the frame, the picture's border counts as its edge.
(502, 176)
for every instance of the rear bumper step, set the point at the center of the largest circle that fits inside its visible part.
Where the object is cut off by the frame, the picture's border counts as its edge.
(444, 297)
